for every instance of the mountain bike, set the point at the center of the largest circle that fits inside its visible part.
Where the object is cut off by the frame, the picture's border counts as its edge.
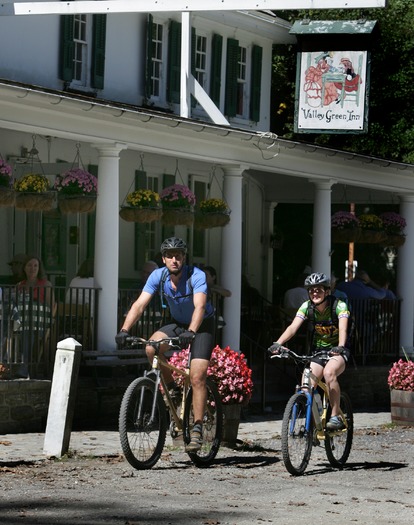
(305, 418)
(143, 418)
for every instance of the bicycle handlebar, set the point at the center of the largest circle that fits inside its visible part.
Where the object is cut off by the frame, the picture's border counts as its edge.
(135, 340)
(286, 353)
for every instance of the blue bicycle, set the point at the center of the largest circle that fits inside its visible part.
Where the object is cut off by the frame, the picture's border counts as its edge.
(304, 421)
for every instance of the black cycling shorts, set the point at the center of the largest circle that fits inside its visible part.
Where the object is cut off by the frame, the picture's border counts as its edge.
(320, 360)
(202, 346)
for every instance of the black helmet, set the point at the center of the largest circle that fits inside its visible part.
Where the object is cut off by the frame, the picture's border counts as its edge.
(173, 243)
(315, 279)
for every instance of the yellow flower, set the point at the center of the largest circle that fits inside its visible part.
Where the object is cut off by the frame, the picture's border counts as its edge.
(214, 206)
(32, 183)
(143, 199)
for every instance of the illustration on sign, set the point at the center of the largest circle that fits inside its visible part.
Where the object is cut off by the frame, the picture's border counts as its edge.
(331, 86)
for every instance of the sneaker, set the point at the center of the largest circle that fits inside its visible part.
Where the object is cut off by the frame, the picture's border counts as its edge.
(196, 441)
(335, 423)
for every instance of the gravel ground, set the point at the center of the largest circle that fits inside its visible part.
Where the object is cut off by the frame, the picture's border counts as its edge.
(246, 486)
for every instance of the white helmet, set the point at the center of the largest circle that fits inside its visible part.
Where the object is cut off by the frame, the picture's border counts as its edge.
(315, 279)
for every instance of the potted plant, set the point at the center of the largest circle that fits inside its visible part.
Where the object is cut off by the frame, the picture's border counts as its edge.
(233, 377)
(33, 193)
(177, 204)
(345, 227)
(7, 195)
(77, 190)
(372, 229)
(141, 206)
(401, 383)
(394, 225)
(212, 213)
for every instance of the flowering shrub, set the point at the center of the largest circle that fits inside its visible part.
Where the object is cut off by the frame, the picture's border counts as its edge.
(401, 376)
(229, 371)
(370, 222)
(214, 206)
(76, 181)
(143, 199)
(6, 179)
(342, 220)
(177, 196)
(393, 222)
(32, 183)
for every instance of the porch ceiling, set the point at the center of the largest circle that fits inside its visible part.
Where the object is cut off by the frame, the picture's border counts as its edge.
(284, 168)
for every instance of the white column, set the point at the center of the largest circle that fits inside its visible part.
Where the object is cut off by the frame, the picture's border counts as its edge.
(107, 243)
(405, 281)
(231, 256)
(321, 235)
(185, 99)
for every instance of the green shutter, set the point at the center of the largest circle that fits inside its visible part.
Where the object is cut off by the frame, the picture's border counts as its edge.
(174, 62)
(232, 60)
(66, 48)
(148, 73)
(255, 85)
(140, 180)
(167, 180)
(216, 55)
(98, 51)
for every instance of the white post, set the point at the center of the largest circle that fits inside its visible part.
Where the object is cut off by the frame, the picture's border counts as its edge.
(231, 256)
(107, 244)
(185, 99)
(62, 398)
(321, 239)
(405, 281)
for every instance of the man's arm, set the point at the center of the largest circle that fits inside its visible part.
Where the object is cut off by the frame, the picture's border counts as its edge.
(136, 310)
(200, 301)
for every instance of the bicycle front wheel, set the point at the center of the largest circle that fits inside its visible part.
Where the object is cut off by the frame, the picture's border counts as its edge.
(296, 440)
(338, 443)
(142, 437)
(212, 425)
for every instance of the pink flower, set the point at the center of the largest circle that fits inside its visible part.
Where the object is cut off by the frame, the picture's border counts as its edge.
(401, 376)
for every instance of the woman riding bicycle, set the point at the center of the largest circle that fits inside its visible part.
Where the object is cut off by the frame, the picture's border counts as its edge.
(329, 335)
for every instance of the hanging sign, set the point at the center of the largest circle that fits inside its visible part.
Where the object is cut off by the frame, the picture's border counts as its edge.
(332, 79)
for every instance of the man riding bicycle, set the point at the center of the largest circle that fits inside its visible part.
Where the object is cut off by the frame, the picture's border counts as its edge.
(184, 289)
(329, 334)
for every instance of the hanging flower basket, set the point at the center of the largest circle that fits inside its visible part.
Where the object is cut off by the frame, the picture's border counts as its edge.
(141, 206)
(212, 213)
(77, 190)
(372, 230)
(32, 193)
(345, 235)
(177, 205)
(35, 201)
(6, 184)
(394, 240)
(7, 196)
(371, 237)
(76, 203)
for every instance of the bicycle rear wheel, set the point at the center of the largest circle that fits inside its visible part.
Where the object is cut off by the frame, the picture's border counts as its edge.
(338, 443)
(212, 425)
(296, 440)
(142, 439)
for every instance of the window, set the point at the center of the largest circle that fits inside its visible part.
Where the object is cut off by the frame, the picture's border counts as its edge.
(156, 59)
(201, 60)
(82, 50)
(241, 82)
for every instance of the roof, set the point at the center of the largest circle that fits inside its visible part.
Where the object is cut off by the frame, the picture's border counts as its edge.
(340, 27)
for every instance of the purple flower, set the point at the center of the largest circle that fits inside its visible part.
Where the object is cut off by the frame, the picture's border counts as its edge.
(177, 196)
(76, 181)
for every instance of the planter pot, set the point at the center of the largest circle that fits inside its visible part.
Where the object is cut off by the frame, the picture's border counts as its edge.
(77, 203)
(35, 201)
(402, 407)
(371, 237)
(177, 216)
(141, 215)
(394, 240)
(345, 235)
(7, 196)
(204, 221)
(231, 421)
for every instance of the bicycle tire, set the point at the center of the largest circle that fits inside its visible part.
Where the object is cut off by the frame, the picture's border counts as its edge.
(338, 443)
(142, 443)
(296, 441)
(212, 425)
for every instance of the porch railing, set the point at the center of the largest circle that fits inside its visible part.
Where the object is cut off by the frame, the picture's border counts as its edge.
(29, 331)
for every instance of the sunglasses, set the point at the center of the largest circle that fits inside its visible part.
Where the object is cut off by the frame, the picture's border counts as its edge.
(316, 289)
(177, 255)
